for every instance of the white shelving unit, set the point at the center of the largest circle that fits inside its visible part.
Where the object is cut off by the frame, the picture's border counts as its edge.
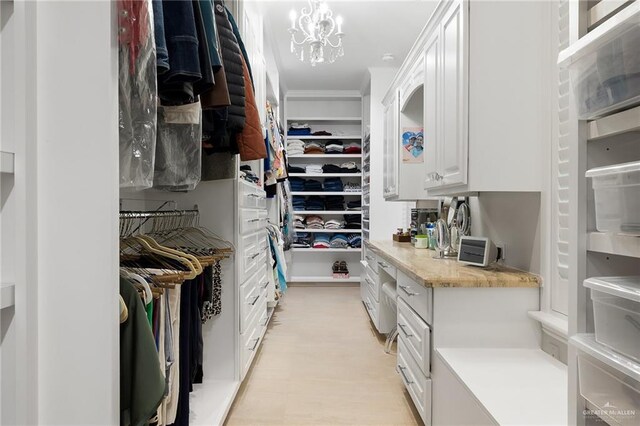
(611, 138)
(341, 114)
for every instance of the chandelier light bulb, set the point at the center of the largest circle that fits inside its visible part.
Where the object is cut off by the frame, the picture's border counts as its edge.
(293, 15)
(339, 22)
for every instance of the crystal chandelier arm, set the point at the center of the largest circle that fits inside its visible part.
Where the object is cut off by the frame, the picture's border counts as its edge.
(299, 43)
(338, 44)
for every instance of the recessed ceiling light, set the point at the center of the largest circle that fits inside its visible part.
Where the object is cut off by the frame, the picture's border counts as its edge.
(387, 57)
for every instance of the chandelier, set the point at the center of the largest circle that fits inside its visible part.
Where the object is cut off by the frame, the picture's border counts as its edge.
(316, 24)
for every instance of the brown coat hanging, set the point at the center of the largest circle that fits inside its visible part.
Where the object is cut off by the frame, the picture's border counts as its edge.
(251, 142)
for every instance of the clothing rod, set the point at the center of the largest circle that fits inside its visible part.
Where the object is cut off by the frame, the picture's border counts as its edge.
(152, 214)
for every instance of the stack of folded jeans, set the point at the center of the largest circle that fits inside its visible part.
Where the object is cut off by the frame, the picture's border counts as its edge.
(298, 221)
(333, 185)
(296, 169)
(355, 240)
(314, 169)
(322, 241)
(315, 203)
(334, 202)
(339, 241)
(354, 205)
(298, 202)
(334, 224)
(335, 147)
(352, 148)
(312, 185)
(297, 184)
(314, 222)
(299, 129)
(331, 168)
(354, 221)
(295, 147)
(303, 240)
(313, 148)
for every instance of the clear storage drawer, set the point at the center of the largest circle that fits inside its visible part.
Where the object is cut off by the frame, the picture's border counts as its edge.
(617, 197)
(616, 312)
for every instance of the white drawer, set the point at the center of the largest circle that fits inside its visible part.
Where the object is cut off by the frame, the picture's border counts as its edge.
(250, 293)
(417, 296)
(371, 305)
(252, 220)
(252, 196)
(249, 346)
(372, 260)
(371, 280)
(249, 262)
(384, 266)
(416, 335)
(417, 384)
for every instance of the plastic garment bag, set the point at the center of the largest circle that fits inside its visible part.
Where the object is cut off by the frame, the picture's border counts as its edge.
(137, 94)
(179, 148)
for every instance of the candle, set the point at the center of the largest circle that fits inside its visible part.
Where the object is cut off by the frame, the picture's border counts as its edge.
(339, 22)
(292, 16)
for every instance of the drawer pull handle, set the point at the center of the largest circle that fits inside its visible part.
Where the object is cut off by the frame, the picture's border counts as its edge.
(409, 293)
(382, 264)
(255, 345)
(255, 196)
(253, 220)
(404, 376)
(253, 256)
(255, 300)
(265, 285)
(266, 321)
(369, 257)
(402, 326)
(369, 281)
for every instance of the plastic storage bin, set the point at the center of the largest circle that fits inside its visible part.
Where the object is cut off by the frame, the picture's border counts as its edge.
(616, 312)
(616, 396)
(604, 66)
(617, 197)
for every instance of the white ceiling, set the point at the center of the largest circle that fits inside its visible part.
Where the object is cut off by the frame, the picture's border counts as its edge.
(372, 28)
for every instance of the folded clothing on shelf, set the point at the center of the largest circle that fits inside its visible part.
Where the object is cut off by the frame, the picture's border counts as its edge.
(354, 221)
(314, 203)
(333, 184)
(296, 183)
(312, 185)
(314, 168)
(314, 148)
(298, 202)
(247, 174)
(334, 202)
(352, 187)
(298, 221)
(335, 147)
(322, 241)
(354, 205)
(295, 147)
(331, 168)
(299, 129)
(302, 240)
(339, 241)
(349, 167)
(355, 240)
(322, 133)
(314, 222)
(353, 148)
(296, 169)
(334, 224)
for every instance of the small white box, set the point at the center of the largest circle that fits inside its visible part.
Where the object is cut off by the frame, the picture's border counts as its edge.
(616, 312)
(617, 197)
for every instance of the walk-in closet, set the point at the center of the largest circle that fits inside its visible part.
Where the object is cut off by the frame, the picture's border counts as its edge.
(310, 212)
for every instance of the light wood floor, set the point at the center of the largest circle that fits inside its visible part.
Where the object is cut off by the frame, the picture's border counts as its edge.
(321, 363)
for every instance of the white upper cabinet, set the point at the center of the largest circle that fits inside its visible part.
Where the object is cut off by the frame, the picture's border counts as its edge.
(486, 107)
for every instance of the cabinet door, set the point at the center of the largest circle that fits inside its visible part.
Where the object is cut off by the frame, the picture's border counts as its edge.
(454, 134)
(391, 141)
(432, 115)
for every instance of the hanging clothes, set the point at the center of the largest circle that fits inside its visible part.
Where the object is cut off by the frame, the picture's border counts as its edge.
(275, 167)
(251, 140)
(142, 383)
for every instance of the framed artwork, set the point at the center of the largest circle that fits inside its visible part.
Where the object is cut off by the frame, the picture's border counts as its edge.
(412, 145)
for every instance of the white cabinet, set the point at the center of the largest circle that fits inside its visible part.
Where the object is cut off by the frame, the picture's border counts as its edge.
(486, 107)
(445, 99)
(391, 145)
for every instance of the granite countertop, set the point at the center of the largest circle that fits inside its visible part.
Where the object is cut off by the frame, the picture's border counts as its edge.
(420, 265)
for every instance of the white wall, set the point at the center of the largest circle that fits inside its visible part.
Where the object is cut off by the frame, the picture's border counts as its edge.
(77, 197)
(386, 216)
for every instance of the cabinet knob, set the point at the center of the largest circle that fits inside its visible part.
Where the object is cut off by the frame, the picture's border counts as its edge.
(438, 176)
